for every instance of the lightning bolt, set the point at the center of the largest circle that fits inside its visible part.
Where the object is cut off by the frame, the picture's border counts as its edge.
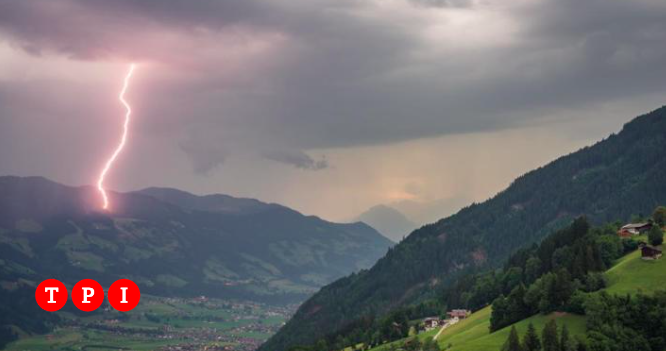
(123, 139)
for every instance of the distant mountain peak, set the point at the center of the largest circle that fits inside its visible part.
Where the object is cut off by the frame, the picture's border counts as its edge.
(390, 222)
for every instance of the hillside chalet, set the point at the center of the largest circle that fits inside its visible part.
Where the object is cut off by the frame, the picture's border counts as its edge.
(632, 229)
(650, 253)
(460, 314)
(431, 323)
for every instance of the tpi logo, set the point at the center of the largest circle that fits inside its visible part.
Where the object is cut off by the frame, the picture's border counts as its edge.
(88, 295)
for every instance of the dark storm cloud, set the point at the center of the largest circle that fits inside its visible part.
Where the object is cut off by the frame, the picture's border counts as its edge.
(298, 159)
(300, 75)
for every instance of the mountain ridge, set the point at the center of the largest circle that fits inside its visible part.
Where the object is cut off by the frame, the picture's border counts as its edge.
(209, 202)
(256, 251)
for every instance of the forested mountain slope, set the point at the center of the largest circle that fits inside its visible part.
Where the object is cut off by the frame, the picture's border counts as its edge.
(616, 178)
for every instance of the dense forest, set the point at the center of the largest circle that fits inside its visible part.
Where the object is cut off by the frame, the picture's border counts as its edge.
(550, 277)
(616, 178)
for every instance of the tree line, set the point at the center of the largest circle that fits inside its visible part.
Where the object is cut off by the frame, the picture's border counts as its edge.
(567, 265)
(551, 339)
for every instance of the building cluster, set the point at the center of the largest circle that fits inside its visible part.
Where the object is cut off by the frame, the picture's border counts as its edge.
(196, 347)
(454, 316)
(632, 229)
(194, 324)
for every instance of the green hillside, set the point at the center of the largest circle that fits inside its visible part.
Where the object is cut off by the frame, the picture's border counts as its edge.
(467, 330)
(631, 274)
(473, 334)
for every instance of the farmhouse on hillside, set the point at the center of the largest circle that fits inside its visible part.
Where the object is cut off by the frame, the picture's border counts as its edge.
(631, 229)
(461, 314)
(431, 323)
(650, 253)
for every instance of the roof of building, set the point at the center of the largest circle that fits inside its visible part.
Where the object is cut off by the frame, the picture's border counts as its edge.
(635, 225)
(651, 249)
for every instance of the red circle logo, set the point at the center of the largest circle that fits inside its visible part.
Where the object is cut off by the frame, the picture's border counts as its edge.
(124, 295)
(51, 295)
(87, 295)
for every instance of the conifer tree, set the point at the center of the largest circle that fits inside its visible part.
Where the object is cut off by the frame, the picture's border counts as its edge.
(513, 342)
(659, 216)
(566, 343)
(655, 236)
(581, 345)
(531, 340)
(550, 337)
(322, 345)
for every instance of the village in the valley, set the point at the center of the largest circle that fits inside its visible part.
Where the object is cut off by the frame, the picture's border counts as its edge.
(181, 324)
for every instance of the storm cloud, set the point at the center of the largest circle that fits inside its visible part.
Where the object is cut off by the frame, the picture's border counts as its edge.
(279, 80)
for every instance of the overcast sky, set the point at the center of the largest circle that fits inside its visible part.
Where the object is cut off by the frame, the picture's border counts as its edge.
(327, 106)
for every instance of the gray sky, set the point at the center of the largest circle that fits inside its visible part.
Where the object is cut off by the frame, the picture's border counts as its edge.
(327, 106)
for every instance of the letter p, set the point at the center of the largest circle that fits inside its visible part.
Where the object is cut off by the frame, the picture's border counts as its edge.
(87, 293)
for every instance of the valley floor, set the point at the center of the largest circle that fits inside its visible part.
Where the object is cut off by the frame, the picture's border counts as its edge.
(166, 324)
